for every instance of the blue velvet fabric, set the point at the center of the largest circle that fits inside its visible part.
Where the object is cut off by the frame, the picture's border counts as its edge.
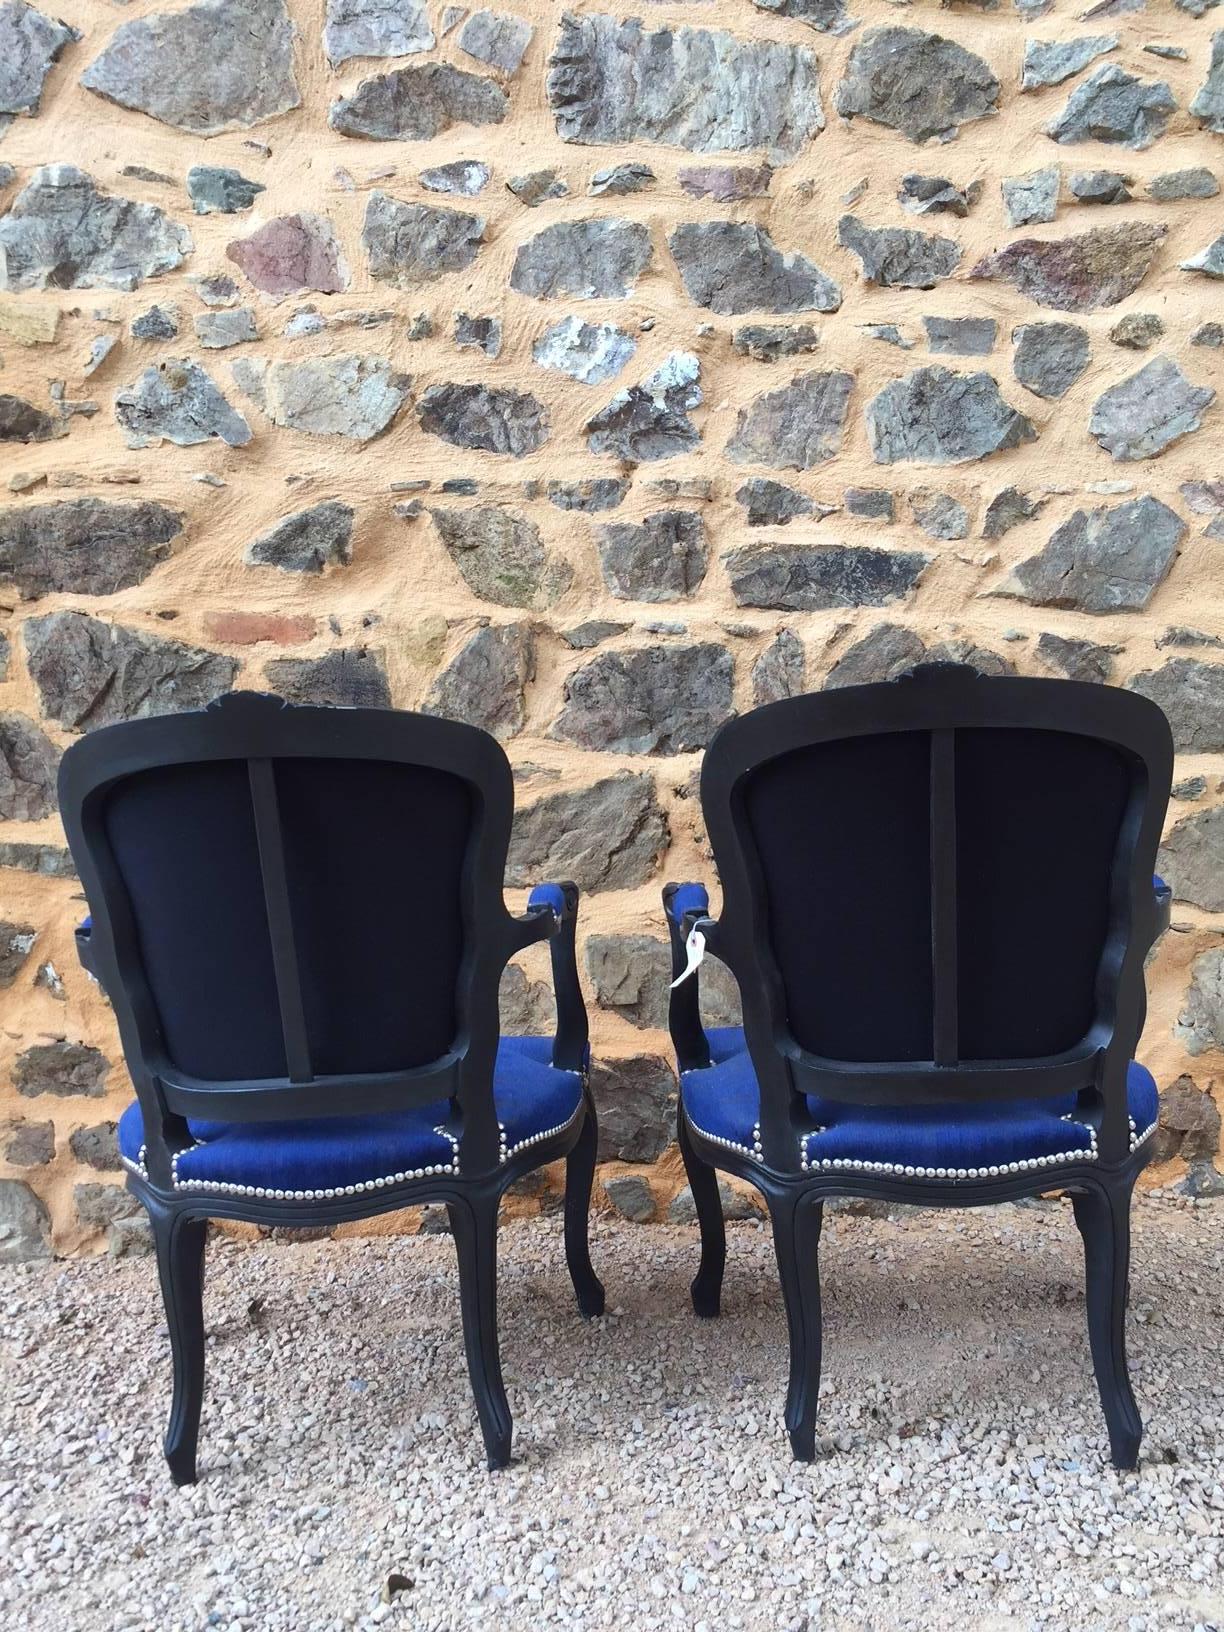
(548, 895)
(689, 898)
(723, 1101)
(330, 1152)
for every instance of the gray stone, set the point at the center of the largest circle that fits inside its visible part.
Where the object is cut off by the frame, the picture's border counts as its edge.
(899, 257)
(650, 420)
(216, 291)
(735, 266)
(490, 418)
(47, 860)
(650, 700)
(527, 1007)
(635, 1101)
(629, 975)
(29, 44)
(1115, 106)
(825, 16)
(1189, 787)
(768, 342)
(1008, 509)
(725, 183)
(796, 427)
(1050, 62)
(308, 540)
(939, 515)
(631, 1196)
(176, 401)
(485, 682)
(888, 651)
(16, 944)
(1080, 273)
(1175, 185)
(1076, 659)
(888, 334)
(130, 1237)
(496, 39)
(1208, 334)
(84, 547)
(1200, 1025)
(622, 179)
(63, 1069)
(582, 260)
(588, 352)
(466, 177)
(60, 232)
(1102, 560)
(976, 657)
(413, 244)
(538, 187)
(609, 836)
(25, 1229)
(1033, 197)
(1191, 693)
(1209, 261)
(816, 577)
(90, 673)
(157, 323)
(349, 677)
(217, 65)
(1137, 331)
(100, 1205)
(375, 28)
(1191, 859)
(736, 1205)
(780, 670)
(961, 336)
(592, 494)
(1189, 1125)
(773, 504)
(215, 190)
(21, 421)
(874, 502)
(500, 556)
(1208, 104)
(97, 1146)
(1143, 415)
(29, 761)
(616, 82)
(28, 1144)
(918, 83)
(936, 417)
(593, 632)
(478, 334)
(418, 103)
(1100, 187)
(346, 395)
(218, 331)
(1050, 357)
(936, 195)
(660, 559)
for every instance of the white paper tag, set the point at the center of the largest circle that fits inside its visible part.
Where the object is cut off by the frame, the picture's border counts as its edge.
(694, 949)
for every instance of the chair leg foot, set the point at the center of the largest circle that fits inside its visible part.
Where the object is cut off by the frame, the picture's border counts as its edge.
(474, 1227)
(796, 1227)
(1103, 1217)
(579, 1177)
(179, 1244)
(706, 1290)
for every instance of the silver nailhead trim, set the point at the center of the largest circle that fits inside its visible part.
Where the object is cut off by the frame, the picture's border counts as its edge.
(536, 1138)
(219, 1187)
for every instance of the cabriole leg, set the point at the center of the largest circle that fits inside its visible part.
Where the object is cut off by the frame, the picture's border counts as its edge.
(179, 1243)
(474, 1227)
(706, 1289)
(796, 1226)
(579, 1176)
(1103, 1217)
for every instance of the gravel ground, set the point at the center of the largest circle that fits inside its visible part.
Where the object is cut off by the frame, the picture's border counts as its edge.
(963, 1480)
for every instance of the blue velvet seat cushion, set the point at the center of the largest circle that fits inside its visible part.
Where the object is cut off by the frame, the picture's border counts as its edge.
(945, 1141)
(307, 1158)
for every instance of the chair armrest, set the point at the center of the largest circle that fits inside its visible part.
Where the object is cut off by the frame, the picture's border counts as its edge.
(570, 1052)
(1164, 905)
(685, 905)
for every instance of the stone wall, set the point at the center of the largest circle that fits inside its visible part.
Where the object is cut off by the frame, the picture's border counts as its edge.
(593, 377)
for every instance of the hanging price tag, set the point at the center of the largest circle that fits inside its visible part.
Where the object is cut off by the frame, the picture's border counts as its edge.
(694, 949)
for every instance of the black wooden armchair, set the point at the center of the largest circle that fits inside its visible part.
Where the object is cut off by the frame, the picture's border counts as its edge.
(937, 900)
(297, 914)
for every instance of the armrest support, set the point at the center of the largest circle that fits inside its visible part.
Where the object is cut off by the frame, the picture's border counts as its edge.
(684, 904)
(84, 947)
(560, 901)
(1164, 906)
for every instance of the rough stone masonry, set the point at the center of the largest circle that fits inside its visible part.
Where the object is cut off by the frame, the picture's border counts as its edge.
(593, 376)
